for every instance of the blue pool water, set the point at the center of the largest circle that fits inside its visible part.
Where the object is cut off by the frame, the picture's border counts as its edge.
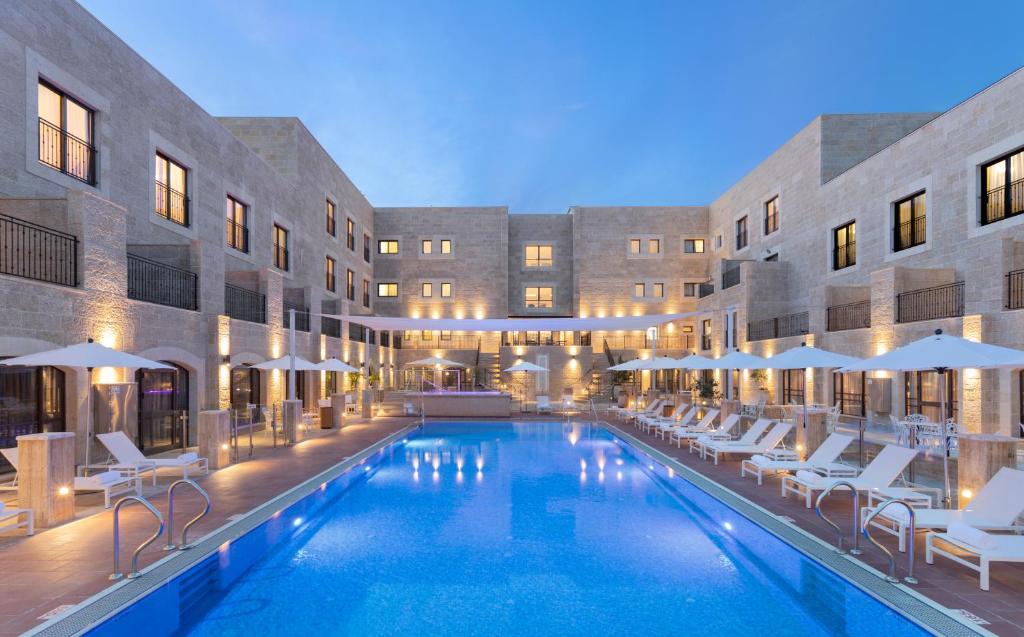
(534, 529)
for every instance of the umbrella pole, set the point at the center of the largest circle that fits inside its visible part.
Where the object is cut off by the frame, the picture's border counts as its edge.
(88, 417)
(291, 354)
(947, 499)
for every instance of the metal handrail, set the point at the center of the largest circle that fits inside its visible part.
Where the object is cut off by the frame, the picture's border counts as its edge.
(170, 514)
(891, 577)
(856, 514)
(117, 574)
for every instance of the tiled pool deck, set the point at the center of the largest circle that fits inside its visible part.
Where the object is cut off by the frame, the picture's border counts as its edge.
(70, 563)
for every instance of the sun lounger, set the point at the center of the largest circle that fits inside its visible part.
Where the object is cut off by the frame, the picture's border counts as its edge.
(723, 432)
(771, 439)
(985, 547)
(128, 458)
(680, 414)
(749, 437)
(543, 405)
(111, 483)
(703, 425)
(823, 461)
(996, 507)
(880, 473)
(10, 519)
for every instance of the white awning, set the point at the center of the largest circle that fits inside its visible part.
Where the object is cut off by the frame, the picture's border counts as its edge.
(554, 324)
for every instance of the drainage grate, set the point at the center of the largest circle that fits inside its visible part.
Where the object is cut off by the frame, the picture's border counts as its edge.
(971, 617)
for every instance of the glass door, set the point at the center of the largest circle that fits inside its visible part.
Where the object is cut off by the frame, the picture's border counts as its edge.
(163, 408)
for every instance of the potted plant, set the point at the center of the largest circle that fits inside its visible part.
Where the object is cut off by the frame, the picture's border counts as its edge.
(760, 378)
(619, 378)
(707, 388)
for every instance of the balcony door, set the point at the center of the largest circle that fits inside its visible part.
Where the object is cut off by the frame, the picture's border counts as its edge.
(163, 408)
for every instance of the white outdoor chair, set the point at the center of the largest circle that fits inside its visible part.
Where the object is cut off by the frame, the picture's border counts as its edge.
(111, 483)
(698, 439)
(880, 472)
(10, 519)
(543, 405)
(823, 460)
(770, 440)
(996, 507)
(985, 547)
(749, 437)
(704, 425)
(128, 458)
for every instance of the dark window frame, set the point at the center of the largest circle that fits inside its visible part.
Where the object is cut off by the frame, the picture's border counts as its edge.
(742, 233)
(62, 166)
(388, 242)
(690, 246)
(367, 242)
(331, 214)
(282, 257)
(350, 285)
(165, 188)
(330, 269)
(913, 235)
(1005, 196)
(237, 233)
(844, 255)
(366, 293)
(771, 215)
(350, 237)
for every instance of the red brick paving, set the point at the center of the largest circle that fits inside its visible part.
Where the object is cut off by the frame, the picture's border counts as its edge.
(70, 563)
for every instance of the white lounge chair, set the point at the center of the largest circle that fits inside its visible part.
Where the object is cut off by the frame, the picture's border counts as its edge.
(749, 437)
(111, 483)
(681, 412)
(129, 459)
(771, 439)
(649, 410)
(880, 473)
(996, 507)
(985, 547)
(10, 519)
(543, 405)
(702, 426)
(823, 461)
(693, 434)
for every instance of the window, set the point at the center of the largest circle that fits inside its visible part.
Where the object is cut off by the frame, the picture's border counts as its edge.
(426, 246)
(653, 246)
(538, 256)
(792, 386)
(909, 223)
(634, 246)
(332, 282)
(690, 289)
(426, 335)
(844, 246)
(171, 201)
(66, 135)
(718, 242)
(693, 246)
(366, 293)
(446, 290)
(350, 285)
(705, 334)
(387, 290)
(444, 335)
(237, 224)
(923, 394)
(848, 392)
(350, 237)
(639, 290)
(741, 233)
(774, 256)
(538, 297)
(1002, 188)
(280, 248)
(658, 290)
(426, 290)
(446, 246)
(34, 402)
(387, 246)
(771, 215)
(366, 248)
(331, 218)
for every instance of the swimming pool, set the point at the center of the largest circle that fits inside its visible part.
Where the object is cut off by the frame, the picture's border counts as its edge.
(528, 529)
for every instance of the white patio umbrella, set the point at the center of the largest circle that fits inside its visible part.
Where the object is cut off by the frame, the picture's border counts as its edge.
(301, 364)
(527, 368)
(335, 365)
(941, 353)
(435, 363)
(806, 356)
(88, 356)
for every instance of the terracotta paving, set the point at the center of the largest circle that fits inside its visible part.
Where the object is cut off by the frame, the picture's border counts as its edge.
(949, 584)
(70, 563)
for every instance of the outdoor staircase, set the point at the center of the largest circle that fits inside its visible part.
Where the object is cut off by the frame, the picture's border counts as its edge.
(488, 370)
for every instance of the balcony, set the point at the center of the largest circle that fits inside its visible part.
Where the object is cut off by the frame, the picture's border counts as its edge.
(849, 316)
(441, 341)
(66, 153)
(941, 301)
(238, 236)
(244, 305)
(1015, 290)
(35, 252)
(559, 339)
(330, 327)
(705, 289)
(155, 282)
(171, 204)
(778, 327)
(730, 277)
(301, 317)
(1002, 202)
(640, 341)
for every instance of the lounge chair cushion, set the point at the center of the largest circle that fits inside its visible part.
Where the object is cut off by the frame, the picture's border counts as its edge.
(808, 476)
(107, 477)
(188, 457)
(759, 460)
(972, 536)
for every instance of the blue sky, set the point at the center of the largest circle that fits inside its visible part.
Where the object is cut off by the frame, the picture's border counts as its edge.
(543, 105)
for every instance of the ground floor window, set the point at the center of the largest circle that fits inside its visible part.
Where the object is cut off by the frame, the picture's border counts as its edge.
(163, 408)
(792, 386)
(1020, 410)
(923, 395)
(31, 401)
(245, 388)
(735, 385)
(848, 392)
(330, 385)
(300, 389)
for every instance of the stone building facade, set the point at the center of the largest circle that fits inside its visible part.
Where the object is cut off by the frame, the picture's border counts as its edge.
(186, 238)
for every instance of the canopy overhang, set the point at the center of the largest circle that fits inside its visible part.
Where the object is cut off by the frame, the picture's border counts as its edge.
(554, 324)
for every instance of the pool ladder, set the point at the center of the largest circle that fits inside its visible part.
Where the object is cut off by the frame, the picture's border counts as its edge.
(891, 577)
(134, 571)
(856, 514)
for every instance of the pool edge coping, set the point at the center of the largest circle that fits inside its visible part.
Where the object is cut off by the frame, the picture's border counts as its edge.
(106, 603)
(894, 596)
